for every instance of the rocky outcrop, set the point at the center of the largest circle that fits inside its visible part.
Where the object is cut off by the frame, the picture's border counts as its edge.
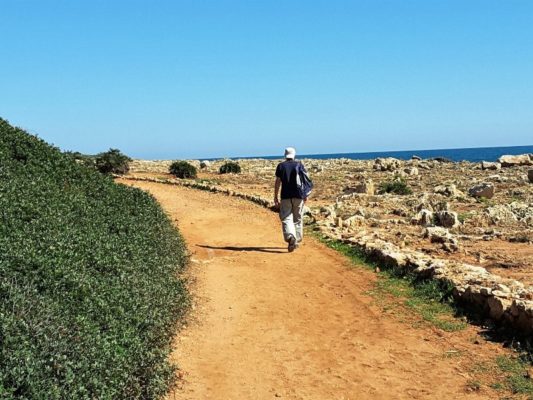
(387, 164)
(512, 161)
(447, 219)
(423, 218)
(490, 165)
(447, 190)
(485, 190)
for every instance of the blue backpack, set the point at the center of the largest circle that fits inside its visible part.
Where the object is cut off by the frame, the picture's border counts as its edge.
(303, 182)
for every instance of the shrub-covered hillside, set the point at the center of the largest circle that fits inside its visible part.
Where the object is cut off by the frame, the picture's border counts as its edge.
(89, 287)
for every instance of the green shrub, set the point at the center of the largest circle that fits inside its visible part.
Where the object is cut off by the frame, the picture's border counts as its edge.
(183, 170)
(84, 159)
(112, 162)
(230, 167)
(396, 186)
(89, 280)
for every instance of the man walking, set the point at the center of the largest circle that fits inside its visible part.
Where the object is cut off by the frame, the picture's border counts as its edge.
(291, 204)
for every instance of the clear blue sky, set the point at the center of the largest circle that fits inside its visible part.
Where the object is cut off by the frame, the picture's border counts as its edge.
(198, 79)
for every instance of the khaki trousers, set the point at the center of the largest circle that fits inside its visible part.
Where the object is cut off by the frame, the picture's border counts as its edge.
(290, 213)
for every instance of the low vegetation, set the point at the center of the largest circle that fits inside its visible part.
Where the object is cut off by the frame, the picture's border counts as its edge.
(183, 170)
(230, 167)
(396, 186)
(430, 301)
(112, 162)
(90, 292)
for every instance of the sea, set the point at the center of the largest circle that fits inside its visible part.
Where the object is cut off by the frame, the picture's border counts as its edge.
(475, 154)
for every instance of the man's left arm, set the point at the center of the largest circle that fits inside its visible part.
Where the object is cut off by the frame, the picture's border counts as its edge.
(277, 185)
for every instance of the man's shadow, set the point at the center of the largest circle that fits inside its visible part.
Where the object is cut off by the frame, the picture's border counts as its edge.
(245, 248)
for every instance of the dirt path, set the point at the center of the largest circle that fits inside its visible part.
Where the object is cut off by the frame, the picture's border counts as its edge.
(269, 324)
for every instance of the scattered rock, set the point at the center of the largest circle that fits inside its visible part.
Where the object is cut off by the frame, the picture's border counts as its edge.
(447, 190)
(485, 190)
(511, 161)
(424, 218)
(447, 219)
(412, 171)
(500, 213)
(205, 164)
(437, 234)
(490, 165)
(387, 164)
(366, 187)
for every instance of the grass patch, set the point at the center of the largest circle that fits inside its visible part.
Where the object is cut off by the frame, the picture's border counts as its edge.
(516, 374)
(395, 291)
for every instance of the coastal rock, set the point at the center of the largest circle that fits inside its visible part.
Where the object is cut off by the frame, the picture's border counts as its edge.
(501, 214)
(365, 187)
(415, 157)
(424, 218)
(387, 164)
(490, 165)
(485, 190)
(447, 190)
(412, 171)
(205, 164)
(447, 219)
(355, 220)
(437, 234)
(511, 161)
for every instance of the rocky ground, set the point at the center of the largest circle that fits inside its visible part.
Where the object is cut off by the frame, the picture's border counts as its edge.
(476, 213)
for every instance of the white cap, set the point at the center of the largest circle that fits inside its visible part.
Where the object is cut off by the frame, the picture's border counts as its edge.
(290, 152)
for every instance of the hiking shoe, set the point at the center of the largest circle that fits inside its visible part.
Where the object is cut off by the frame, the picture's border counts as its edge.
(292, 244)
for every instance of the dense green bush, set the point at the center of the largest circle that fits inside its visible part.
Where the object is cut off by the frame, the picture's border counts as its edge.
(89, 280)
(230, 167)
(183, 170)
(396, 186)
(112, 162)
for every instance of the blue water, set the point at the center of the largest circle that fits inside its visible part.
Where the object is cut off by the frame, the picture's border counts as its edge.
(471, 154)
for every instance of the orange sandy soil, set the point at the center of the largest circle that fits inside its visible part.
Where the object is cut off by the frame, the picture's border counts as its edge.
(270, 324)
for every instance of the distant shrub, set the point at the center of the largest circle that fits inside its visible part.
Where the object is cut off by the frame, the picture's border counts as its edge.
(230, 167)
(183, 170)
(112, 162)
(90, 292)
(397, 186)
(84, 159)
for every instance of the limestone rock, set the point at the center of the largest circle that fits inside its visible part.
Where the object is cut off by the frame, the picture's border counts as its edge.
(412, 171)
(490, 165)
(424, 217)
(387, 164)
(447, 190)
(366, 187)
(511, 161)
(500, 214)
(436, 234)
(485, 190)
(448, 219)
